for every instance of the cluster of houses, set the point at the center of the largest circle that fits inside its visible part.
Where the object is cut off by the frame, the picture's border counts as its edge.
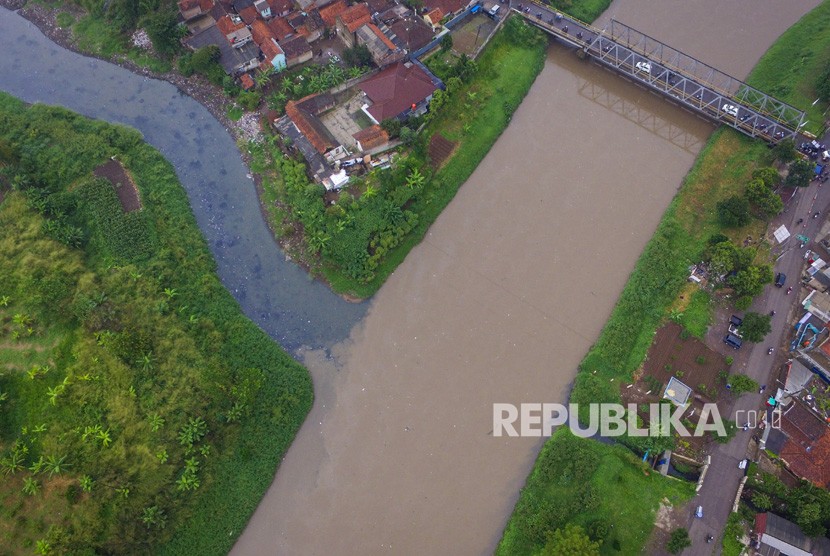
(256, 35)
(279, 34)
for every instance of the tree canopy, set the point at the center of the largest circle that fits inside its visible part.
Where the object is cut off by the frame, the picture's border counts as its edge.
(571, 540)
(755, 327)
(733, 212)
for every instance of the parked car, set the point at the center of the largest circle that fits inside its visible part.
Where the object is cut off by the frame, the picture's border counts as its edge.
(730, 109)
(733, 341)
(643, 66)
(699, 511)
(780, 279)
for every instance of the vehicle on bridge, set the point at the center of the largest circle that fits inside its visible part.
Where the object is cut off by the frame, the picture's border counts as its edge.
(730, 109)
(643, 66)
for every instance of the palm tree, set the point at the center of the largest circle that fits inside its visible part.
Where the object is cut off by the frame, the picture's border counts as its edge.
(146, 361)
(12, 463)
(156, 422)
(86, 483)
(415, 179)
(170, 293)
(104, 437)
(154, 516)
(318, 241)
(4, 301)
(370, 192)
(30, 486)
(264, 77)
(56, 465)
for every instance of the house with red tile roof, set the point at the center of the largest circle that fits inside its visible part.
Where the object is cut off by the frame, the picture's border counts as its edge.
(235, 31)
(273, 54)
(308, 135)
(371, 138)
(447, 7)
(281, 8)
(410, 33)
(434, 17)
(399, 91)
(329, 13)
(806, 450)
(191, 9)
(350, 20)
(308, 24)
(281, 29)
(297, 50)
(247, 82)
(261, 32)
(249, 15)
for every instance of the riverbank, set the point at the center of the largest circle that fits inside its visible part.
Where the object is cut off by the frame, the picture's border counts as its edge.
(723, 168)
(213, 98)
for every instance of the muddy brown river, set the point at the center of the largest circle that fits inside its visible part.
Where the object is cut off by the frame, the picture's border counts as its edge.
(498, 304)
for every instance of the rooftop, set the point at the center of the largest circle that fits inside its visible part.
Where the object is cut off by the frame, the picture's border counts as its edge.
(261, 32)
(411, 33)
(304, 115)
(355, 17)
(270, 49)
(280, 28)
(329, 13)
(249, 15)
(372, 137)
(295, 47)
(395, 89)
(446, 6)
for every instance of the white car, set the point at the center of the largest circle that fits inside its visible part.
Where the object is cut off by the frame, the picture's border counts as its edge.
(730, 109)
(643, 66)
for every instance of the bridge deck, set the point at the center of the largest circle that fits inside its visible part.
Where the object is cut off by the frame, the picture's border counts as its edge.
(678, 76)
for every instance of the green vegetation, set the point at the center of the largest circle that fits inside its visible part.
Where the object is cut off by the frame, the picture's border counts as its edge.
(582, 482)
(678, 541)
(696, 315)
(726, 164)
(806, 505)
(801, 172)
(64, 19)
(141, 411)
(571, 540)
(732, 534)
(741, 384)
(586, 10)
(791, 68)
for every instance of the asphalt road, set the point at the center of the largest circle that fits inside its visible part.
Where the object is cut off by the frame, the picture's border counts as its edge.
(723, 477)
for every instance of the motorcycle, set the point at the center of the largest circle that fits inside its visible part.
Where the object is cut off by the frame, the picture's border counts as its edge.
(789, 290)
(770, 350)
(772, 313)
(799, 221)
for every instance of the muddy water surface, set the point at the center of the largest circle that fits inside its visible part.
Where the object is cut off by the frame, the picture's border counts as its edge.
(498, 304)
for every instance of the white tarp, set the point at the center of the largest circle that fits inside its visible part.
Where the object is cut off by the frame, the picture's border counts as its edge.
(781, 234)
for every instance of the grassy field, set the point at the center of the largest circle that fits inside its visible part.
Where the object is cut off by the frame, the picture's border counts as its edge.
(789, 68)
(590, 484)
(140, 411)
(586, 10)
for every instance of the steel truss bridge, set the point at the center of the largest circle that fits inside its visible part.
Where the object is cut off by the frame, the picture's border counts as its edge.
(679, 77)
